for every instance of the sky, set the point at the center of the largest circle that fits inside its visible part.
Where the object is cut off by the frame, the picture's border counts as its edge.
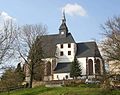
(83, 17)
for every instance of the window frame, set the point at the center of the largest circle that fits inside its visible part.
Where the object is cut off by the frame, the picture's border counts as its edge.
(61, 53)
(69, 45)
(69, 52)
(61, 46)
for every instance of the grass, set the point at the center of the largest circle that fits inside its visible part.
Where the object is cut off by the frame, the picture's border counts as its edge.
(79, 90)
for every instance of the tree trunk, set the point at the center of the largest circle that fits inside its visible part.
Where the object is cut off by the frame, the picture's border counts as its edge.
(31, 80)
(31, 77)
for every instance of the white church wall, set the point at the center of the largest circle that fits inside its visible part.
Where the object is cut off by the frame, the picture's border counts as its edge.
(82, 62)
(61, 76)
(48, 59)
(65, 49)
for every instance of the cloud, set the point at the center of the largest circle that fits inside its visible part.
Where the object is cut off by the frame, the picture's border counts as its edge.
(74, 9)
(5, 16)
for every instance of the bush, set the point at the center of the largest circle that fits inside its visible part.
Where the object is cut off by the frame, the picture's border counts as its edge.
(71, 84)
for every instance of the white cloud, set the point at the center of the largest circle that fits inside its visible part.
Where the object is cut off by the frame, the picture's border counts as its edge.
(5, 16)
(74, 9)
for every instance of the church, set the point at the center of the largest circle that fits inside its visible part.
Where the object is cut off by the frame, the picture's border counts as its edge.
(61, 49)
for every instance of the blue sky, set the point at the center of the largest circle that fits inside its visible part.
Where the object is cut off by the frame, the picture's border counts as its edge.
(84, 17)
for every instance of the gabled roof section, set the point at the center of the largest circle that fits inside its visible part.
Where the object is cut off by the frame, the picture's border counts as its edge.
(49, 43)
(87, 49)
(62, 68)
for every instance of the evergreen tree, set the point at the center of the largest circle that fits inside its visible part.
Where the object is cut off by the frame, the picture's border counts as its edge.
(76, 70)
(19, 72)
(18, 69)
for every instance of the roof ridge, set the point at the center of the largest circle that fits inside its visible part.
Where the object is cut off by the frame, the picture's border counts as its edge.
(86, 42)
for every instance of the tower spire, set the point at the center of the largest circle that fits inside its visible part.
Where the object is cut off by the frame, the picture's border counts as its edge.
(63, 17)
(63, 30)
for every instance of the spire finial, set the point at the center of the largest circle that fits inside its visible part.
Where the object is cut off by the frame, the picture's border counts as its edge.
(63, 17)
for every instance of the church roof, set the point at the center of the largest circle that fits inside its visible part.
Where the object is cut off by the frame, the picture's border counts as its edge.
(62, 67)
(87, 49)
(49, 43)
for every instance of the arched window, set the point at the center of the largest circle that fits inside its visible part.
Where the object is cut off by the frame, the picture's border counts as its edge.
(97, 67)
(90, 67)
(48, 68)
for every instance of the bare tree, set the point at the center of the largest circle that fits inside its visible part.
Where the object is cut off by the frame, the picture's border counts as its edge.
(111, 44)
(27, 36)
(7, 37)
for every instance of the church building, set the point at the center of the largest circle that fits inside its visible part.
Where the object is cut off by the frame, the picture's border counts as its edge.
(61, 49)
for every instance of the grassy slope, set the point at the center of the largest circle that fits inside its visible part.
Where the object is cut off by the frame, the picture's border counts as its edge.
(61, 91)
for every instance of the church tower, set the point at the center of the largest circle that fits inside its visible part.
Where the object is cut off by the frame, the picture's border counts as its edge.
(63, 30)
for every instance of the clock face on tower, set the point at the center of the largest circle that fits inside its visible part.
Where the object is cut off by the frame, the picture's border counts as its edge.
(62, 32)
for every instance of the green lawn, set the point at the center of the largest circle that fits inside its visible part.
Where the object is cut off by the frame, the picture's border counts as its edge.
(80, 90)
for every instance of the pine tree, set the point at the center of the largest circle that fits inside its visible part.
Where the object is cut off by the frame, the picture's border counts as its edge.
(18, 69)
(19, 73)
(76, 70)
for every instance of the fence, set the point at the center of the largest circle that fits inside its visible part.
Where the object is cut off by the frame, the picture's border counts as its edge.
(3, 89)
(58, 83)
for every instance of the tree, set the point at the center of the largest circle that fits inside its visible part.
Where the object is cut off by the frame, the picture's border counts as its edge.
(20, 73)
(10, 79)
(111, 46)
(18, 69)
(76, 70)
(39, 72)
(7, 37)
(35, 56)
(29, 48)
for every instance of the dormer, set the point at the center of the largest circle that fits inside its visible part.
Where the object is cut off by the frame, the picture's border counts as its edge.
(63, 30)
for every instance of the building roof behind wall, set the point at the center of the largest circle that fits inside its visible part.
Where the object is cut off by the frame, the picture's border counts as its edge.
(49, 43)
(87, 49)
(62, 68)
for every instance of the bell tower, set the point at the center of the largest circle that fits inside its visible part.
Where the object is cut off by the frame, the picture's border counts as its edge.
(63, 30)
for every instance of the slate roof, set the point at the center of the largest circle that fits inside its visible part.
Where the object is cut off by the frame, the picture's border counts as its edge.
(87, 49)
(49, 43)
(62, 68)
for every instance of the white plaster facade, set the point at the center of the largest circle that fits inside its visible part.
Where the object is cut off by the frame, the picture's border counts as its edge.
(82, 61)
(65, 49)
(61, 76)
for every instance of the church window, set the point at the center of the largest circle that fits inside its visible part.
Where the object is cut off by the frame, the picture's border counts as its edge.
(90, 66)
(69, 52)
(61, 45)
(61, 53)
(48, 70)
(97, 67)
(69, 45)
